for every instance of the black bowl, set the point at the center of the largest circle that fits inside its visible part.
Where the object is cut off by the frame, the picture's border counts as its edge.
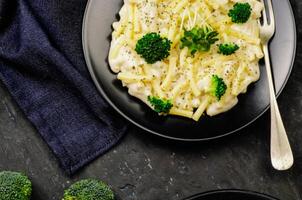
(231, 195)
(99, 16)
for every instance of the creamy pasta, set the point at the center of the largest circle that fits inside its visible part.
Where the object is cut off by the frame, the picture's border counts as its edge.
(183, 78)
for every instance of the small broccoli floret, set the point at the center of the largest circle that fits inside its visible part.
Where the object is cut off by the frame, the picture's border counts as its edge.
(160, 105)
(199, 39)
(218, 87)
(240, 13)
(14, 186)
(152, 47)
(228, 48)
(88, 189)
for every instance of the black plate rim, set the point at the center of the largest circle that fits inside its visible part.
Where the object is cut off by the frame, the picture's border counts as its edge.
(104, 95)
(238, 191)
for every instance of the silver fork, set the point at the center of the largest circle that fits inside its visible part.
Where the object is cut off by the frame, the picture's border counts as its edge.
(281, 153)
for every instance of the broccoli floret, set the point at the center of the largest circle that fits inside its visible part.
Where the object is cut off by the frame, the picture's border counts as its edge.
(88, 189)
(152, 47)
(228, 48)
(218, 87)
(240, 13)
(199, 39)
(160, 105)
(14, 186)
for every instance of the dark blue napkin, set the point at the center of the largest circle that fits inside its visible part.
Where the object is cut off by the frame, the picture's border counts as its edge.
(42, 65)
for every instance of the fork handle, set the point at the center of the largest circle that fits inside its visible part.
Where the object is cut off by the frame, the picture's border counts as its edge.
(281, 153)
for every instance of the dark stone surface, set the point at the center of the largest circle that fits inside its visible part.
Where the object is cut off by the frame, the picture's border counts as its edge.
(143, 167)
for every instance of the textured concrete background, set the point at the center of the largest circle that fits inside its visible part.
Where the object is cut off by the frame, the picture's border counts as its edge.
(143, 167)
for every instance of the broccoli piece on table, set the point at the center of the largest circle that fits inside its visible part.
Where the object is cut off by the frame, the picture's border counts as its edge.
(228, 48)
(14, 186)
(88, 189)
(218, 87)
(160, 105)
(152, 47)
(240, 13)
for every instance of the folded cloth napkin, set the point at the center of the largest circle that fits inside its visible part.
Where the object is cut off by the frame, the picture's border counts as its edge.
(42, 65)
